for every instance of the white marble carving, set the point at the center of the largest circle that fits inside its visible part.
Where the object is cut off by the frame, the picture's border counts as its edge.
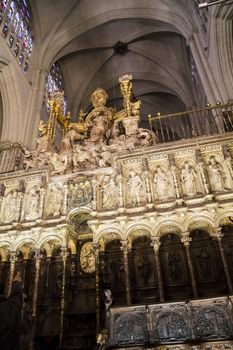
(53, 200)
(163, 182)
(109, 192)
(10, 208)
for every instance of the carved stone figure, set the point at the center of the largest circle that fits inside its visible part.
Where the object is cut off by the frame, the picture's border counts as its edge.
(69, 139)
(83, 157)
(100, 124)
(135, 187)
(11, 206)
(31, 203)
(53, 201)
(216, 175)
(144, 269)
(109, 191)
(146, 137)
(108, 299)
(59, 163)
(164, 187)
(189, 180)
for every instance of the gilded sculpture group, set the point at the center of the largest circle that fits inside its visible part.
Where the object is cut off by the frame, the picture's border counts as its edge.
(94, 142)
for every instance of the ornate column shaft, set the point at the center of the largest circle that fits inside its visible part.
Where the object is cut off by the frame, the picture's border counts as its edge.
(11, 273)
(186, 241)
(64, 260)
(219, 235)
(155, 245)
(35, 295)
(97, 287)
(126, 267)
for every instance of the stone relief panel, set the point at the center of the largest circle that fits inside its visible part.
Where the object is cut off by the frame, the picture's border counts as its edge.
(131, 328)
(170, 323)
(80, 192)
(133, 183)
(54, 199)
(211, 321)
(108, 191)
(11, 201)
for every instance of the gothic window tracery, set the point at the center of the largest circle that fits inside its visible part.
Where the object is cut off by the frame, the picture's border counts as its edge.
(16, 28)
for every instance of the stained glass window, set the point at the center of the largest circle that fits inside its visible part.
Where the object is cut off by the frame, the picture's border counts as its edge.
(55, 82)
(15, 22)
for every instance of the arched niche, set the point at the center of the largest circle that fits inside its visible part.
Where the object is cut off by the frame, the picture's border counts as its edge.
(144, 284)
(112, 270)
(175, 274)
(207, 265)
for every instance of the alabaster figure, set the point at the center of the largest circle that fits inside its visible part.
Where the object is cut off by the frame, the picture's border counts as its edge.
(11, 206)
(164, 187)
(53, 201)
(100, 124)
(134, 187)
(68, 141)
(31, 204)
(60, 163)
(189, 180)
(83, 157)
(109, 192)
(216, 175)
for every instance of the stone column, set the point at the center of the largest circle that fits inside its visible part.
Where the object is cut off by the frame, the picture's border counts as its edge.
(35, 295)
(186, 241)
(97, 287)
(11, 273)
(126, 268)
(219, 235)
(48, 262)
(156, 244)
(64, 259)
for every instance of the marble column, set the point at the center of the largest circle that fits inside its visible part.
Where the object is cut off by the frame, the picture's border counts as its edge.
(64, 260)
(125, 250)
(186, 241)
(219, 235)
(11, 273)
(156, 245)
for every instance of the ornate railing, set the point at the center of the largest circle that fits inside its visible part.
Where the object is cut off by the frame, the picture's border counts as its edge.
(194, 123)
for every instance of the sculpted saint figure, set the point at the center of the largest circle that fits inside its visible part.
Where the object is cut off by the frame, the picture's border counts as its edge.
(10, 206)
(216, 175)
(68, 140)
(189, 180)
(135, 186)
(109, 191)
(99, 128)
(32, 203)
(164, 187)
(53, 201)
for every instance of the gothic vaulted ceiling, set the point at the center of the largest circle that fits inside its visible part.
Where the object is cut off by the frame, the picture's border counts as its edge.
(96, 41)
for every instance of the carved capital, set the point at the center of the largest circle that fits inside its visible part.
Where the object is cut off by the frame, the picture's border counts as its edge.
(186, 239)
(218, 233)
